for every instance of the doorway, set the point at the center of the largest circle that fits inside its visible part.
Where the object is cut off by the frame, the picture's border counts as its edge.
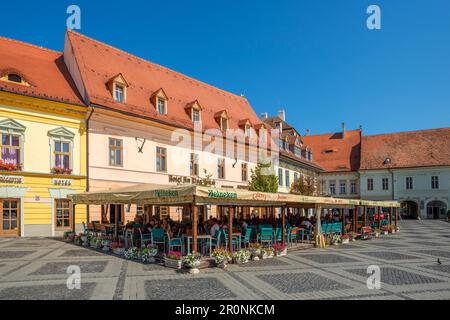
(436, 210)
(10, 217)
(409, 210)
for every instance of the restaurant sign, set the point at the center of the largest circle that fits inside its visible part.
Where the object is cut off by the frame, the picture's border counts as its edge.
(11, 179)
(222, 194)
(166, 193)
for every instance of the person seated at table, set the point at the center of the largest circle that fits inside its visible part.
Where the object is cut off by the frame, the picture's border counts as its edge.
(224, 224)
(149, 226)
(165, 225)
(215, 227)
(306, 224)
(243, 224)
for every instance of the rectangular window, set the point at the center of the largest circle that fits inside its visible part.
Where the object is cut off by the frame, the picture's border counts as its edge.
(62, 154)
(161, 159)
(370, 184)
(194, 164)
(288, 179)
(353, 187)
(409, 183)
(247, 131)
(115, 152)
(161, 106)
(63, 215)
(244, 172)
(342, 188)
(118, 94)
(295, 176)
(298, 152)
(385, 183)
(280, 177)
(224, 123)
(332, 188)
(221, 168)
(195, 115)
(435, 182)
(10, 149)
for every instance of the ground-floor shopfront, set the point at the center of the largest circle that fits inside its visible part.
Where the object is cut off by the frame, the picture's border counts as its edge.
(37, 205)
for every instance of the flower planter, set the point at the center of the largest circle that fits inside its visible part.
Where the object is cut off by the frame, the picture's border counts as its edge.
(255, 258)
(194, 270)
(118, 251)
(282, 253)
(221, 265)
(172, 263)
(345, 241)
(385, 233)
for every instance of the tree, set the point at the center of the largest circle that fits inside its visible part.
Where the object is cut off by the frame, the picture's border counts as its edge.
(263, 178)
(305, 185)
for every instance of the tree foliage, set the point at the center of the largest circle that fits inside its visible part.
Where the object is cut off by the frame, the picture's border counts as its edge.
(263, 178)
(305, 185)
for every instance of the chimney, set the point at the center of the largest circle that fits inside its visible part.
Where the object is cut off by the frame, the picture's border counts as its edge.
(282, 114)
(343, 130)
(264, 116)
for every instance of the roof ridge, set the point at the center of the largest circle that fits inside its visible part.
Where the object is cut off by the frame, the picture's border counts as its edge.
(327, 133)
(29, 44)
(159, 66)
(410, 131)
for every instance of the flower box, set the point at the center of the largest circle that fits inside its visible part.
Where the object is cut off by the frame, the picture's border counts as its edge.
(60, 170)
(345, 240)
(281, 252)
(118, 251)
(172, 263)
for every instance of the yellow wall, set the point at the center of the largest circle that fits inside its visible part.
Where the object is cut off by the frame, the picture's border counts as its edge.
(39, 117)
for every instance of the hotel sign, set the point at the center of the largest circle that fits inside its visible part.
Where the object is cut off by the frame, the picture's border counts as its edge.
(62, 182)
(11, 179)
(189, 180)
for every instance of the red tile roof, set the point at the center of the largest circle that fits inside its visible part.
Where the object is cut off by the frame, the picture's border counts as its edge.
(424, 148)
(335, 153)
(99, 62)
(44, 69)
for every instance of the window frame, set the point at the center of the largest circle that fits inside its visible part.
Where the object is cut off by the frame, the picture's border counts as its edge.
(287, 178)
(353, 188)
(343, 188)
(221, 168)
(244, 172)
(385, 184)
(435, 182)
(118, 86)
(11, 147)
(70, 217)
(409, 183)
(161, 102)
(194, 167)
(280, 177)
(332, 187)
(115, 148)
(369, 184)
(162, 157)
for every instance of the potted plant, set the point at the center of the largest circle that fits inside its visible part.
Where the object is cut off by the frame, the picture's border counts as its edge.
(117, 248)
(385, 230)
(241, 256)
(106, 244)
(9, 166)
(255, 250)
(377, 232)
(148, 254)
(131, 253)
(335, 239)
(68, 235)
(267, 253)
(192, 262)
(173, 259)
(77, 240)
(345, 238)
(280, 249)
(221, 257)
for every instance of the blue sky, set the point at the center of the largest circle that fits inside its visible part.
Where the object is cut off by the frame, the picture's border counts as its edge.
(316, 58)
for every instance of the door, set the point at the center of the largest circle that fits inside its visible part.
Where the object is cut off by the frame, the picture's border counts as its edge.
(10, 217)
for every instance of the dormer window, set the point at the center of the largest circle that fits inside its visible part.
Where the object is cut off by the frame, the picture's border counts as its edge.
(13, 77)
(161, 108)
(118, 87)
(119, 93)
(248, 130)
(194, 110)
(159, 100)
(222, 119)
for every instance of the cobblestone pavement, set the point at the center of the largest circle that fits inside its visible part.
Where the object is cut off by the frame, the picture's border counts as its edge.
(35, 268)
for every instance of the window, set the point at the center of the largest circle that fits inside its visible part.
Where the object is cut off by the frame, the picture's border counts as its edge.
(353, 187)
(295, 176)
(224, 123)
(409, 183)
(140, 210)
(63, 215)
(262, 135)
(161, 107)
(435, 182)
(119, 93)
(287, 179)
(298, 151)
(385, 183)
(194, 164)
(342, 188)
(161, 159)
(280, 177)
(62, 154)
(10, 145)
(14, 78)
(370, 184)
(162, 212)
(332, 188)
(221, 168)
(195, 115)
(244, 172)
(115, 152)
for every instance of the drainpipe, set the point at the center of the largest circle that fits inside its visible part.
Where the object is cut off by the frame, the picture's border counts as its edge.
(87, 157)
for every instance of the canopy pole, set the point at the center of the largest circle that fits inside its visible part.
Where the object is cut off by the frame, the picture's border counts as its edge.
(116, 224)
(343, 220)
(355, 218)
(194, 227)
(318, 227)
(283, 224)
(396, 216)
(230, 228)
(364, 216)
(73, 217)
(379, 218)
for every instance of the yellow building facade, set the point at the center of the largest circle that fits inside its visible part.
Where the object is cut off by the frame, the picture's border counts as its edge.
(42, 160)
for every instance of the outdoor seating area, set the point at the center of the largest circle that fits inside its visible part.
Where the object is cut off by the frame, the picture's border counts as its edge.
(232, 236)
